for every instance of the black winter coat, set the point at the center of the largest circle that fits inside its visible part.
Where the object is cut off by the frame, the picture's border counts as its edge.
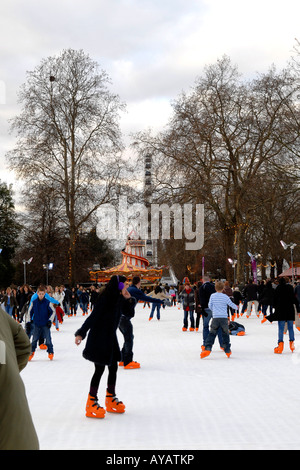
(285, 302)
(251, 292)
(102, 345)
(205, 292)
(267, 295)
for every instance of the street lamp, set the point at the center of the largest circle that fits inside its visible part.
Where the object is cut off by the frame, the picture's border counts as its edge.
(96, 268)
(233, 262)
(48, 267)
(291, 246)
(24, 262)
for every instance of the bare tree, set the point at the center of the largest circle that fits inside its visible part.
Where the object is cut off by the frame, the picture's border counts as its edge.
(221, 136)
(68, 137)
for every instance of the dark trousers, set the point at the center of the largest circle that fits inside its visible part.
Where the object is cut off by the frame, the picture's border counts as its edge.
(126, 329)
(217, 323)
(42, 332)
(111, 379)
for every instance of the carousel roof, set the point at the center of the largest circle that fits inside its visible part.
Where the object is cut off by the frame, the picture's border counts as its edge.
(131, 265)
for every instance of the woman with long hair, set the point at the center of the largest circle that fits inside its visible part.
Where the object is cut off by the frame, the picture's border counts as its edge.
(102, 347)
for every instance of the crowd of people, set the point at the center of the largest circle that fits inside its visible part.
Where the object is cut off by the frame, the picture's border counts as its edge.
(252, 298)
(111, 307)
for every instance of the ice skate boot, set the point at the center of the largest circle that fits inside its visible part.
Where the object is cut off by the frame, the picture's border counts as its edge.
(279, 348)
(228, 354)
(205, 353)
(132, 365)
(51, 355)
(292, 346)
(112, 404)
(93, 409)
(31, 356)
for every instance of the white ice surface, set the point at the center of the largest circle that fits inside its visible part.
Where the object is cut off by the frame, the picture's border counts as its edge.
(175, 400)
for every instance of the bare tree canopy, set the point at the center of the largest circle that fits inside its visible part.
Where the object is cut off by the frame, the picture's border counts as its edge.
(224, 135)
(68, 136)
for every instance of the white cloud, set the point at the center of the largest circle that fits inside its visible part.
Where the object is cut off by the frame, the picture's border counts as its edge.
(151, 49)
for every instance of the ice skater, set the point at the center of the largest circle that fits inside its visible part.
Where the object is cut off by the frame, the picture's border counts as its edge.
(285, 306)
(41, 314)
(102, 347)
(218, 303)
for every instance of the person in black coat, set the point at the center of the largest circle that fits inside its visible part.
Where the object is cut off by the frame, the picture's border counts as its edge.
(266, 299)
(251, 295)
(285, 305)
(102, 347)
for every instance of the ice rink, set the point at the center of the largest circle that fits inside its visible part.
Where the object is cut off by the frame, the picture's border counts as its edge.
(175, 400)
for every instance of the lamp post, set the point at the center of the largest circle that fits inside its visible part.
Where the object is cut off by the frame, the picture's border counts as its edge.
(47, 266)
(96, 268)
(24, 263)
(291, 246)
(233, 262)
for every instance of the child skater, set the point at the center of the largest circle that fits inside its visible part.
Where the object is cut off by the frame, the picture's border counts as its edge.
(218, 303)
(102, 345)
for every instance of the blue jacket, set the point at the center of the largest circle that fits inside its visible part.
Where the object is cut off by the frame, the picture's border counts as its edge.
(139, 295)
(48, 297)
(40, 312)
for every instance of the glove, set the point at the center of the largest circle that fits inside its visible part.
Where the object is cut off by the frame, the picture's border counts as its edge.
(48, 324)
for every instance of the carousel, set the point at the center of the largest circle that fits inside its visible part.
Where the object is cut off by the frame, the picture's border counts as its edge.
(133, 264)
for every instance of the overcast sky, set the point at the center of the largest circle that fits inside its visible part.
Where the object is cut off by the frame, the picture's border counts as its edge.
(151, 49)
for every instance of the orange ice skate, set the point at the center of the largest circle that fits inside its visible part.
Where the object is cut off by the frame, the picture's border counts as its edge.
(132, 365)
(279, 348)
(205, 353)
(93, 409)
(113, 405)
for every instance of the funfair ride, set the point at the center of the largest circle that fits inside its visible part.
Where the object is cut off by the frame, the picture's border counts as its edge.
(133, 264)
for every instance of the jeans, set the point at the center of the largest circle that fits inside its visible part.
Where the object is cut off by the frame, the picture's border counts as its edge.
(155, 306)
(67, 308)
(84, 307)
(45, 332)
(206, 321)
(9, 310)
(189, 313)
(264, 309)
(125, 326)
(290, 325)
(216, 325)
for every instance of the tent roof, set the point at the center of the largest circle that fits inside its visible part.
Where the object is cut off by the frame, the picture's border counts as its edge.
(288, 272)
